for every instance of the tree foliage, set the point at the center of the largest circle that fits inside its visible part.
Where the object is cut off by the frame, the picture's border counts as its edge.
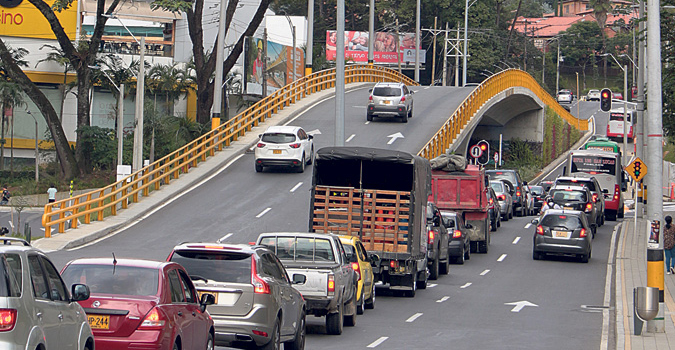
(668, 70)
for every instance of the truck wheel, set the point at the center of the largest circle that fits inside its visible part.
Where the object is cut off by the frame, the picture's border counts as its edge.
(433, 271)
(411, 293)
(473, 246)
(370, 303)
(611, 215)
(483, 247)
(445, 266)
(620, 213)
(350, 320)
(493, 225)
(334, 321)
(420, 284)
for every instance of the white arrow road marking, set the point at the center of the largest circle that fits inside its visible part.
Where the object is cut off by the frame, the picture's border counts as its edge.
(11, 224)
(432, 285)
(314, 132)
(442, 299)
(263, 212)
(350, 138)
(221, 239)
(296, 187)
(515, 241)
(501, 258)
(528, 225)
(395, 136)
(519, 305)
(414, 317)
(377, 342)
(485, 272)
(466, 285)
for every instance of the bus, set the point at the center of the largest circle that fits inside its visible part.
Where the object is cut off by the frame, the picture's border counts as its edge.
(603, 144)
(615, 125)
(607, 169)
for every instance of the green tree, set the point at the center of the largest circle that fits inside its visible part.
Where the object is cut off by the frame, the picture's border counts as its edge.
(57, 56)
(668, 68)
(11, 96)
(580, 44)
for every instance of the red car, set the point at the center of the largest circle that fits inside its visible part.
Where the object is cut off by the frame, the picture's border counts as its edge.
(142, 304)
(617, 96)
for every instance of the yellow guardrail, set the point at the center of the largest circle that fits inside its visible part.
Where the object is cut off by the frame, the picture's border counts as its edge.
(97, 204)
(495, 84)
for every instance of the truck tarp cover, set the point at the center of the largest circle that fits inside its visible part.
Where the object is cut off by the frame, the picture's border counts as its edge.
(372, 168)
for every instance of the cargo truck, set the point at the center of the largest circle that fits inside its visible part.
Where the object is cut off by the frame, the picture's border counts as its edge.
(465, 191)
(381, 197)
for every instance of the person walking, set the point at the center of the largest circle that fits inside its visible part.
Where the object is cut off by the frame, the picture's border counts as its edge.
(5, 195)
(669, 245)
(51, 193)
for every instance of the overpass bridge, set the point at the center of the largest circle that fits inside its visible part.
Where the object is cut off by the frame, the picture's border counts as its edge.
(446, 119)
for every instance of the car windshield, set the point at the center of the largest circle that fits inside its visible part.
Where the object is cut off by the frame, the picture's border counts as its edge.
(448, 221)
(588, 184)
(568, 196)
(278, 137)
(497, 186)
(387, 91)
(113, 279)
(537, 190)
(503, 175)
(299, 248)
(567, 221)
(220, 266)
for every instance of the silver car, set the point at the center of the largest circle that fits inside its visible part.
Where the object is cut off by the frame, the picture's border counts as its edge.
(503, 194)
(37, 311)
(565, 96)
(256, 304)
(593, 95)
(390, 100)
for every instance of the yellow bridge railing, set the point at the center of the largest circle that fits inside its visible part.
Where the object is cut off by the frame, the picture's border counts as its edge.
(107, 201)
(495, 84)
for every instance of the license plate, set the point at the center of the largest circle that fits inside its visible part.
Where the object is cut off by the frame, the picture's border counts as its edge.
(99, 321)
(276, 151)
(386, 102)
(215, 295)
(560, 234)
(568, 208)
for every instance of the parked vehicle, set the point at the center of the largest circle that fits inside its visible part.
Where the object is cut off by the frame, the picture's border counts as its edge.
(576, 198)
(514, 180)
(539, 194)
(563, 232)
(142, 304)
(255, 302)
(360, 260)
(594, 186)
(437, 253)
(493, 210)
(503, 193)
(465, 191)
(38, 311)
(320, 271)
(353, 193)
(390, 100)
(459, 247)
(287, 146)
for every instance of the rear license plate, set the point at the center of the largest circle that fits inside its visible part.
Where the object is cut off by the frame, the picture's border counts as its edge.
(215, 295)
(276, 151)
(568, 208)
(561, 234)
(386, 102)
(99, 321)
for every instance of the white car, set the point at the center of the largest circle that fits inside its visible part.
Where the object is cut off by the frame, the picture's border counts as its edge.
(565, 96)
(593, 95)
(286, 146)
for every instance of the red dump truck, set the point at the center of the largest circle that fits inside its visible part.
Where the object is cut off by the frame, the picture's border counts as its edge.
(465, 191)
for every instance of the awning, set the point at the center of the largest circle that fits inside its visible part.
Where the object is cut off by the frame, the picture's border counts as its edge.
(136, 10)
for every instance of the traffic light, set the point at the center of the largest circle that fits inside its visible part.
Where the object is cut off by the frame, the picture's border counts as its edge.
(485, 148)
(606, 100)
(637, 168)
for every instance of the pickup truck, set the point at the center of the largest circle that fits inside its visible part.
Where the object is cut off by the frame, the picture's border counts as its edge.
(330, 282)
(379, 196)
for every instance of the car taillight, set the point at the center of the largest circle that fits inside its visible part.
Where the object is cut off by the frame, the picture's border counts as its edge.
(357, 268)
(492, 201)
(518, 194)
(402, 99)
(261, 145)
(457, 234)
(295, 145)
(595, 197)
(259, 285)
(589, 207)
(331, 285)
(616, 192)
(370, 99)
(501, 197)
(260, 333)
(582, 233)
(431, 237)
(540, 230)
(393, 264)
(7, 319)
(153, 320)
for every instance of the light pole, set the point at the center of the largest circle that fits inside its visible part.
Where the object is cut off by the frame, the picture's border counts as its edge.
(120, 114)
(37, 174)
(217, 105)
(625, 105)
(543, 66)
(466, 40)
(290, 23)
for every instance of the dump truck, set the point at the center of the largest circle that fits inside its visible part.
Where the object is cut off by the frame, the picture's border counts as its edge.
(465, 191)
(380, 196)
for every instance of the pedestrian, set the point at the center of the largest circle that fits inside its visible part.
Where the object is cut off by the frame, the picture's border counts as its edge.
(5, 195)
(669, 245)
(51, 193)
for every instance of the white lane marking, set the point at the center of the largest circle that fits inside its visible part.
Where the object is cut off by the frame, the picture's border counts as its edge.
(414, 317)
(528, 225)
(367, 123)
(377, 342)
(358, 106)
(604, 342)
(432, 285)
(224, 237)
(395, 136)
(428, 87)
(485, 272)
(515, 241)
(263, 213)
(466, 285)
(501, 258)
(519, 305)
(350, 138)
(442, 299)
(296, 186)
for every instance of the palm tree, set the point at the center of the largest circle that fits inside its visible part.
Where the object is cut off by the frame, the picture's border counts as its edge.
(11, 96)
(57, 56)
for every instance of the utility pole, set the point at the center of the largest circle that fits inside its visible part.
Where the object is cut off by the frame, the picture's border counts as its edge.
(294, 64)
(137, 162)
(417, 44)
(457, 58)
(466, 44)
(120, 125)
(340, 76)
(445, 55)
(371, 32)
(217, 106)
(641, 121)
(398, 51)
(310, 37)
(433, 58)
(264, 64)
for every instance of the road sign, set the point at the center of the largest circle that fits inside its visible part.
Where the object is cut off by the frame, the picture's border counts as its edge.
(637, 169)
(496, 158)
(476, 151)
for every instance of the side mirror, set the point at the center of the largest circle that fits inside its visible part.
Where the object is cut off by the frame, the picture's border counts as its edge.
(469, 226)
(535, 221)
(605, 191)
(370, 90)
(205, 300)
(374, 259)
(299, 279)
(310, 137)
(437, 221)
(79, 292)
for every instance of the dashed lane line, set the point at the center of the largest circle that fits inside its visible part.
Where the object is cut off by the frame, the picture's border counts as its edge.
(350, 138)
(432, 285)
(485, 272)
(367, 123)
(263, 213)
(221, 239)
(501, 258)
(515, 241)
(528, 225)
(466, 285)
(414, 317)
(377, 342)
(296, 187)
(442, 299)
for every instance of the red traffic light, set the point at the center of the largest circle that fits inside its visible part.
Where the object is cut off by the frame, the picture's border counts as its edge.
(605, 94)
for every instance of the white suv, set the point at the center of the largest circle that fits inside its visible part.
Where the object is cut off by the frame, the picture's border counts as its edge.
(288, 146)
(390, 100)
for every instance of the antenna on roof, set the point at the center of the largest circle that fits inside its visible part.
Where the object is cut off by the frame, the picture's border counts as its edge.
(114, 262)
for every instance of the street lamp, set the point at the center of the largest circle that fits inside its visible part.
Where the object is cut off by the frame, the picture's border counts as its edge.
(120, 113)
(37, 173)
(466, 40)
(557, 67)
(290, 24)
(625, 103)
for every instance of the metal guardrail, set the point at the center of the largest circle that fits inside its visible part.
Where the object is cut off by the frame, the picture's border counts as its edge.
(490, 87)
(96, 205)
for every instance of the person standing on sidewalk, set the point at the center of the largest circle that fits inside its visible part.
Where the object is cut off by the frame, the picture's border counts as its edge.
(669, 245)
(51, 192)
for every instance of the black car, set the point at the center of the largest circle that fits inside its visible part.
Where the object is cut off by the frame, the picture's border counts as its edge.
(438, 259)
(547, 184)
(594, 186)
(576, 198)
(564, 232)
(514, 180)
(459, 247)
(539, 194)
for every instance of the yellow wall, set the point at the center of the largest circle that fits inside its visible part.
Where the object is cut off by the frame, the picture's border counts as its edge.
(26, 21)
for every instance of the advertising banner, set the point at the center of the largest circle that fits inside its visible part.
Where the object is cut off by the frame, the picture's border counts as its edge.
(19, 18)
(279, 70)
(356, 47)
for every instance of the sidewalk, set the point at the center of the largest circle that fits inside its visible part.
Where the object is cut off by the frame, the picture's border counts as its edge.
(631, 272)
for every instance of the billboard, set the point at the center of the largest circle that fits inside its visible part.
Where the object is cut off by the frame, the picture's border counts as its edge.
(279, 70)
(384, 45)
(19, 18)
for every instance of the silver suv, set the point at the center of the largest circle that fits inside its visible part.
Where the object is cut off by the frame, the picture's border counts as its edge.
(36, 309)
(390, 100)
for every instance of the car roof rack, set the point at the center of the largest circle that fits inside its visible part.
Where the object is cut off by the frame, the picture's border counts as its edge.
(10, 240)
